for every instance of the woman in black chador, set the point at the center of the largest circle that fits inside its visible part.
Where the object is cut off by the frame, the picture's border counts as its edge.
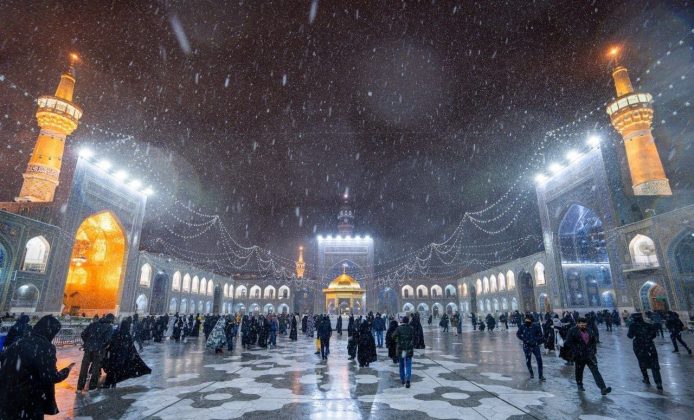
(643, 334)
(391, 343)
(418, 331)
(177, 327)
(196, 326)
(304, 324)
(292, 330)
(122, 361)
(366, 348)
(338, 327)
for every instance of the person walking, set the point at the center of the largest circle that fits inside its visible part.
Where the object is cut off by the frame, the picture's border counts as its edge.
(379, 325)
(366, 347)
(217, 339)
(293, 328)
(473, 318)
(338, 327)
(325, 330)
(643, 335)
(531, 336)
(444, 323)
(122, 360)
(491, 323)
(583, 347)
(95, 338)
(28, 374)
(404, 339)
(138, 331)
(418, 332)
(459, 324)
(675, 326)
(390, 341)
(272, 328)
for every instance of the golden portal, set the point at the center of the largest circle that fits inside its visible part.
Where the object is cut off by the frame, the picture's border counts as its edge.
(97, 266)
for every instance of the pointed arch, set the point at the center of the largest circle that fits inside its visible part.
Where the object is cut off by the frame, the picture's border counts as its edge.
(36, 255)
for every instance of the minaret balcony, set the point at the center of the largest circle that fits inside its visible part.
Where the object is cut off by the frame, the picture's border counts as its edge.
(55, 105)
(633, 100)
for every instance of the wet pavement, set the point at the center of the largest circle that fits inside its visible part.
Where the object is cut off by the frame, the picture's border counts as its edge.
(478, 375)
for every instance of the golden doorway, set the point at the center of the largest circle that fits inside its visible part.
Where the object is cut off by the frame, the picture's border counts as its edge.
(97, 266)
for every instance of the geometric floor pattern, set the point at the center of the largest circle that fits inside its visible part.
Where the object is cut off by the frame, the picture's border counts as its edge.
(472, 376)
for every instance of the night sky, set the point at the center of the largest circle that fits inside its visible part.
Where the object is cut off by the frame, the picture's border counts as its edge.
(266, 112)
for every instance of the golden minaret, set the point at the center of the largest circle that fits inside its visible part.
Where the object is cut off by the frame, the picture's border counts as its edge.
(631, 115)
(57, 117)
(300, 265)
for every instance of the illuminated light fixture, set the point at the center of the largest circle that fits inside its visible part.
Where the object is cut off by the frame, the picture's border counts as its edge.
(121, 175)
(555, 168)
(540, 178)
(86, 153)
(593, 141)
(104, 164)
(135, 184)
(572, 155)
(148, 191)
(613, 52)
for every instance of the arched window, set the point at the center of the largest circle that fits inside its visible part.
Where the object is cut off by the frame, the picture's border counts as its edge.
(176, 284)
(502, 282)
(36, 256)
(269, 292)
(510, 280)
(478, 287)
(145, 275)
(492, 283)
(422, 291)
(173, 305)
(226, 290)
(450, 291)
(485, 283)
(539, 274)
(184, 306)
(465, 290)
(241, 291)
(141, 304)
(203, 286)
(196, 284)
(642, 250)
(684, 254)
(436, 291)
(25, 299)
(284, 292)
(186, 283)
(407, 291)
(210, 288)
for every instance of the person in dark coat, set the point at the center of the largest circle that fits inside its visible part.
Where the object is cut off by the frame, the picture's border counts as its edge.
(28, 374)
(292, 331)
(350, 326)
(196, 326)
(304, 324)
(583, 346)
(491, 322)
(643, 335)
(138, 331)
(338, 327)
(531, 336)
(675, 326)
(404, 337)
(19, 330)
(95, 339)
(473, 319)
(177, 328)
(353, 341)
(390, 341)
(549, 334)
(122, 361)
(325, 330)
(418, 332)
(366, 347)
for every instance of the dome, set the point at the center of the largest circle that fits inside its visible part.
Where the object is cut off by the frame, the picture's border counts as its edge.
(344, 281)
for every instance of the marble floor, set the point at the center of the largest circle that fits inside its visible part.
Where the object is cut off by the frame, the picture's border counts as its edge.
(473, 376)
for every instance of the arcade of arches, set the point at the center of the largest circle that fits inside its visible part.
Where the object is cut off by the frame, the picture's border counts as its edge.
(97, 266)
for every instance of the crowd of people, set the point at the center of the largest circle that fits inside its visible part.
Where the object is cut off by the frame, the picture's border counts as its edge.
(28, 360)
